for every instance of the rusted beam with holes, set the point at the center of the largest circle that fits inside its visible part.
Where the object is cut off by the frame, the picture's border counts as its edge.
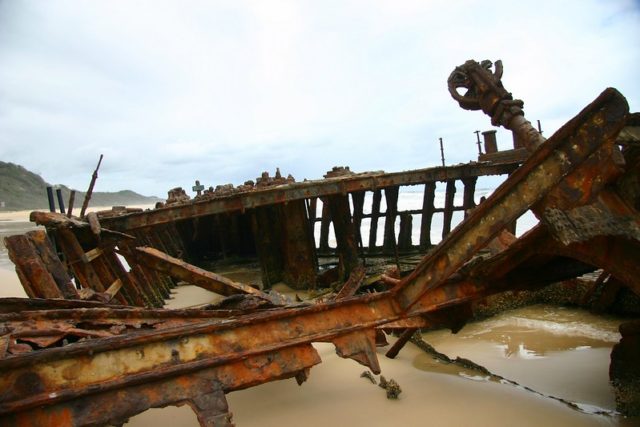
(204, 391)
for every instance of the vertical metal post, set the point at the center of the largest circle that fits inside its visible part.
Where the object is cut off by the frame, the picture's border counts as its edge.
(478, 142)
(52, 203)
(60, 201)
(87, 196)
(72, 198)
(442, 151)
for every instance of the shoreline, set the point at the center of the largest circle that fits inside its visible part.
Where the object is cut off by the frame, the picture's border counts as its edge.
(23, 215)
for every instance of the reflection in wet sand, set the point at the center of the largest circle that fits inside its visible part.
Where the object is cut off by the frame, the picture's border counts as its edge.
(556, 351)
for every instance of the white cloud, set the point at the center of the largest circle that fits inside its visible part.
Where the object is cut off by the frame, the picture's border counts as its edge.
(218, 91)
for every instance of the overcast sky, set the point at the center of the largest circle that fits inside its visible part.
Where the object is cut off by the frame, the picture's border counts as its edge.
(219, 91)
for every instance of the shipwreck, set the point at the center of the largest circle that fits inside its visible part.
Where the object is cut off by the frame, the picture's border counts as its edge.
(93, 333)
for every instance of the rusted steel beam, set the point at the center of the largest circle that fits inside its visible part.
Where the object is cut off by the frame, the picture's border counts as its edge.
(183, 349)
(428, 209)
(298, 246)
(18, 305)
(369, 181)
(149, 291)
(406, 228)
(153, 355)
(87, 196)
(325, 224)
(83, 271)
(403, 339)
(345, 234)
(160, 261)
(266, 231)
(154, 278)
(357, 199)
(130, 287)
(617, 255)
(391, 198)
(72, 198)
(450, 194)
(468, 201)
(597, 124)
(375, 214)
(352, 285)
(48, 255)
(108, 276)
(32, 270)
(203, 391)
(153, 236)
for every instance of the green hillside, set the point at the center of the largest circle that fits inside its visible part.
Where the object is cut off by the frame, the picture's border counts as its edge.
(21, 189)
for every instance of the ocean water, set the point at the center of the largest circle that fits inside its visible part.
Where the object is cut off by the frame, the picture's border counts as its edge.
(410, 198)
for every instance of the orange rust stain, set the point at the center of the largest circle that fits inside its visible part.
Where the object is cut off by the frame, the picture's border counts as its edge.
(40, 418)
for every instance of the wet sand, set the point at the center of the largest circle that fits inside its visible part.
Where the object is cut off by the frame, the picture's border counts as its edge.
(336, 395)
(561, 352)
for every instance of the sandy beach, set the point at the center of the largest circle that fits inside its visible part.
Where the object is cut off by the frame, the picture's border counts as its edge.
(544, 348)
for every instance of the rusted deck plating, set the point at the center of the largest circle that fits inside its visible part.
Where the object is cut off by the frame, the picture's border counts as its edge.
(576, 182)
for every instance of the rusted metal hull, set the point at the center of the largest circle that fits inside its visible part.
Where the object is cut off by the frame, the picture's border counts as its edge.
(130, 359)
